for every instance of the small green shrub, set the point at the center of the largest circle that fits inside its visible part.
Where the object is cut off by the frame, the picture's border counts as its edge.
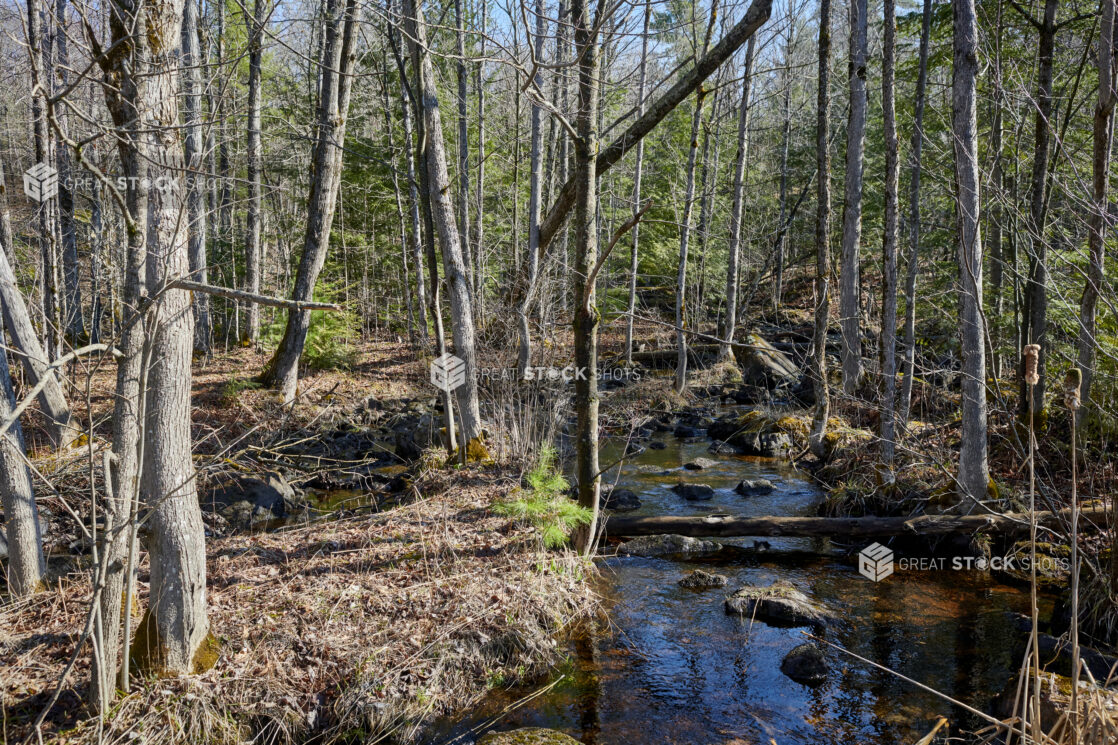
(232, 389)
(545, 504)
(329, 337)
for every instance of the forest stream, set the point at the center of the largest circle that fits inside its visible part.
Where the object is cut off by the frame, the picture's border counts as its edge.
(671, 666)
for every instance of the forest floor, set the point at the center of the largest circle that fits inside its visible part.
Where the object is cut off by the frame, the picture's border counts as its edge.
(362, 625)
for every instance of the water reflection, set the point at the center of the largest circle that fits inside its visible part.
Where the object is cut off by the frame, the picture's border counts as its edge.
(672, 667)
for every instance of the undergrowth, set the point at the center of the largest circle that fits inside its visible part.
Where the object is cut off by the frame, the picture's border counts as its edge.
(544, 503)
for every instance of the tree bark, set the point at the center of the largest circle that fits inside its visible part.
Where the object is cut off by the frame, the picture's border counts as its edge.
(638, 171)
(36, 366)
(1036, 293)
(445, 224)
(192, 63)
(905, 404)
(463, 148)
(1099, 221)
(72, 319)
(333, 113)
(685, 226)
(254, 155)
(973, 470)
(889, 243)
(586, 315)
(818, 368)
(785, 139)
(26, 563)
(524, 356)
(850, 288)
(733, 260)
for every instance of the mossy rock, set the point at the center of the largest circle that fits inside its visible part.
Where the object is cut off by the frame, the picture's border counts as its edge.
(528, 736)
(779, 604)
(476, 452)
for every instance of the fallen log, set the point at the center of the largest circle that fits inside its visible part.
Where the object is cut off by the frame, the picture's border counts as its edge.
(845, 527)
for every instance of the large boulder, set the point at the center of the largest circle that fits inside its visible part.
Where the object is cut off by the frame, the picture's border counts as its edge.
(248, 500)
(779, 604)
(765, 366)
(805, 664)
(621, 500)
(752, 433)
(694, 492)
(527, 736)
(667, 545)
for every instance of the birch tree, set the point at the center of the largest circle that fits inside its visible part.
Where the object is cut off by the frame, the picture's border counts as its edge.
(818, 366)
(733, 272)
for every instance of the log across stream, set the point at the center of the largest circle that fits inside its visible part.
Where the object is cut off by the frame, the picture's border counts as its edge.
(670, 666)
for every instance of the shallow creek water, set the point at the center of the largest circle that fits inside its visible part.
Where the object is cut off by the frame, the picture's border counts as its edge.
(672, 667)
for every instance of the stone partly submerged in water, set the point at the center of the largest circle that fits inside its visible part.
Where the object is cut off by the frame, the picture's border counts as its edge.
(699, 579)
(753, 487)
(621, 500)
(527, 736)
(694, 491)
(667, 545)
(779, 604)
(805, 664)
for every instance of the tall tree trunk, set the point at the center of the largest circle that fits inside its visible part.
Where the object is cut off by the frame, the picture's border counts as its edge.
(685, 226)
(445, 224)
(1100, 181)
(638, 169)
(339, 56)
(255, 165)
(1036, 293)
(414, 233)
(850, 288)
(822, 235)
(973, 470)
(26, 564)
(42, 64)
(905, 404)
(463, 147)
(994, 223)
(785, 139)
(72, 319)
(586, 316)
(151, 440)
(733, 271)
(192, 63)
(524, 357)
(889, 243)
(479, 198)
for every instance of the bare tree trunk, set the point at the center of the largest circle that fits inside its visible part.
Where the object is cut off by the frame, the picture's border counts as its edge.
(72, 319)
(254, 155)
(994, 223)
(889, 243)
(533, 258)
(333, 113)
(479, 200)
(192, 63)
(445, 224)
(36, 366)
(850, 289)
(973, 471)
(463, 148)
(7, 241)
(638, 170)
(905, 403)
(1036, 293)
(26, 564)
(733, 271)
(685, 226)
(1100, 181)
(785, 138)
(586, 316)
(822, 235)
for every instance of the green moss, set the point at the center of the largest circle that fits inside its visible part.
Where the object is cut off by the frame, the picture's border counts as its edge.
(205, 657)
(149, 655)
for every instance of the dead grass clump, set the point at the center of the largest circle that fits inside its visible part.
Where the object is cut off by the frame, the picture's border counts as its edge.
(343, 629)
